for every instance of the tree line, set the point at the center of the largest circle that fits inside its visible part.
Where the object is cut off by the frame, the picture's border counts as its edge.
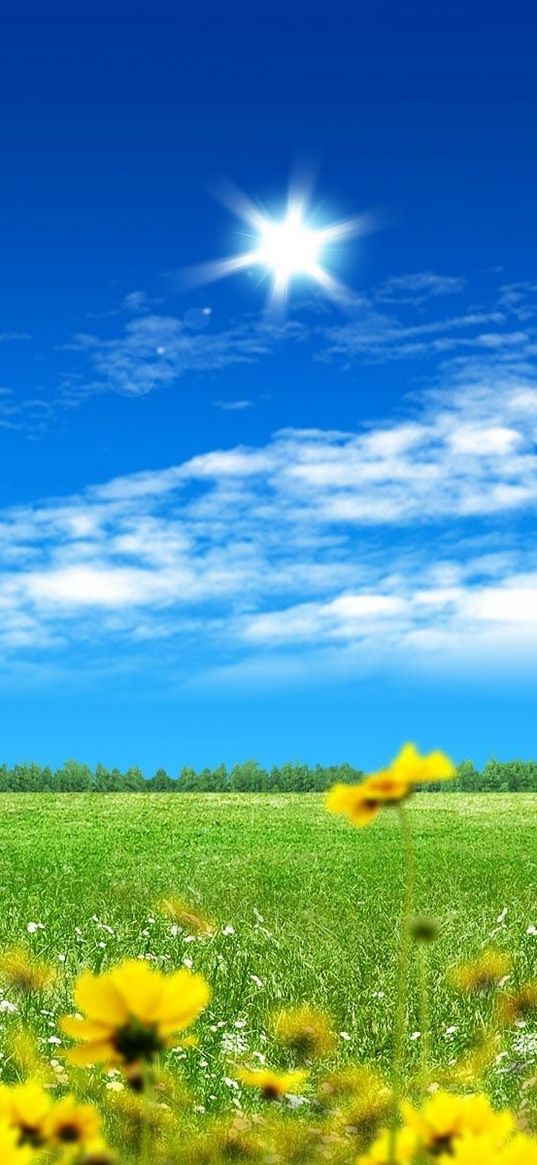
(248, 777)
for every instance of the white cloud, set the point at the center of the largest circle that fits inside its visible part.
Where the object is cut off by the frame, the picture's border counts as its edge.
(154, 351)
(233, 406)
(418, 286)
(385, 543)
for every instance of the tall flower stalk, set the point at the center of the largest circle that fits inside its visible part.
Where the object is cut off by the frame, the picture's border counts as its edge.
(400, 1018)
(361, 803)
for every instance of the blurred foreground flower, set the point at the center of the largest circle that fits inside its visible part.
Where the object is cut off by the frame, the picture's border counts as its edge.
(482, 974)
(518, 1005)
(305, 1031)
(21, 970)
(11, 1151)
(71, 1123)
(26, 1107)
(132, 1013)
(180, 913)
(272, 1085)
(444, 1118)
(361, 803)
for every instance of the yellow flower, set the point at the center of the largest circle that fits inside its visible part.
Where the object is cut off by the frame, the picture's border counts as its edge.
(70, 1123)
(271, 1084)
(11, 1150)
(132, 1012)
(483, 974)
(305, 1031)
(367, 1113)
(415, 769)
(26, 1107)
(379, 1153)
(486, 1150)
(445, 1117)
(361, 803)
(521, 1004)
(19, 969)
(182, 914)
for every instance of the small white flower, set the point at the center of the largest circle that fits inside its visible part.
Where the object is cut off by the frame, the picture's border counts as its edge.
(53, 1040)
(344, 1036)
(227, 930)
(230, 1083)
(450, 1031)
(258, 982)
(532, 930)
(5, 1005)
(188, 963)
(33, 926)
(296, 1101)
(62, 958)
(415, 1036)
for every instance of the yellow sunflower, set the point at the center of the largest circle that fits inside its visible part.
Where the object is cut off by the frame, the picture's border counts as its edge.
(71, 1123)
(21, 970)
(272, 1085)
(445, 1117)
(11, 1150)
(132, 1013)
(361, 803)
(482, 974)
(26, 1107)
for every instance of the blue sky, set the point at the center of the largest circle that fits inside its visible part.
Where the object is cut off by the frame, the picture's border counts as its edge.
(226, 534)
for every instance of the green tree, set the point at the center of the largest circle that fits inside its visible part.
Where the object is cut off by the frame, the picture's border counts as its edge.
(161, 783)
(73, 778)
(134, 781)
(248, 777)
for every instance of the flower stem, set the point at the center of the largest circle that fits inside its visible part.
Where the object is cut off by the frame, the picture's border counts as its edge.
(145, 1132)
(402, 979)
(424, 1016)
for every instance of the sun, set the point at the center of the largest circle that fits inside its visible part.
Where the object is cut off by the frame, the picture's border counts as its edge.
(287, 249)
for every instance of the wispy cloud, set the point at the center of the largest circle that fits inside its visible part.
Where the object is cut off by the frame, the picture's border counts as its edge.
(387, 543)
(233, 406)
(417, 287)
(155, 351)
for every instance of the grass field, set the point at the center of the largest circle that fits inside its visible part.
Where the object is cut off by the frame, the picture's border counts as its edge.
(306, 906)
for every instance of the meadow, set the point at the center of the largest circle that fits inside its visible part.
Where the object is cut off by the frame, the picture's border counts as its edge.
(305, 907)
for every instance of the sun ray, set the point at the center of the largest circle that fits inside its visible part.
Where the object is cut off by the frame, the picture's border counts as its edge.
(288, 249)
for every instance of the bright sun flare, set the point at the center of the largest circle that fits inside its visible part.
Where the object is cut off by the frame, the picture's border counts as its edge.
(285, 249)
(289, 248)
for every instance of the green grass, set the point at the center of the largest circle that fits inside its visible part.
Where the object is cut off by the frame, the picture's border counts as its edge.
(328, 894)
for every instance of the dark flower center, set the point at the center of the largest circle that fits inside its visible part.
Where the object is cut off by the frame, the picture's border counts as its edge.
(31, 1135)
(137, 1041)
(442, 1145)
(68, 1133)
(270, 1092)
